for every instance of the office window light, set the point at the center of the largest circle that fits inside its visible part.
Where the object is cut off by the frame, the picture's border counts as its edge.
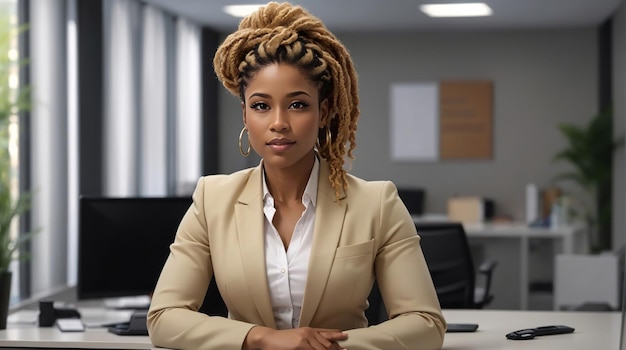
(473, 9)
(11, 65)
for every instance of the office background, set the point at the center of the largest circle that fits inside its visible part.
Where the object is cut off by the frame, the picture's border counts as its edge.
(541, 77)
(534, 90)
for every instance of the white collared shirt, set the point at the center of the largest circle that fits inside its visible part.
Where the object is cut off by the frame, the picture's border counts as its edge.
(287, 270)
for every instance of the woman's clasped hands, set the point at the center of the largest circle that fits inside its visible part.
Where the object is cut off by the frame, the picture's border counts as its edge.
(305, 338)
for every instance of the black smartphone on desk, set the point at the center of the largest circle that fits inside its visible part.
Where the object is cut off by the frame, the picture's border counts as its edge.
(461, 327)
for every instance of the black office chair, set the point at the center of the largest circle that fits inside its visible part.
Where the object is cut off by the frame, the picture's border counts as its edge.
(413, 199)
(213, 304)
(451, 267)
(376, 312)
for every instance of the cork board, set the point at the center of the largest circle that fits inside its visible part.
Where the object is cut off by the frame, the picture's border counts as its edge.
(466, 120)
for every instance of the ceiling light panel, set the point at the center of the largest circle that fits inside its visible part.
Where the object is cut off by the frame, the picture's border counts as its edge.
(470, 9)
(240, 10)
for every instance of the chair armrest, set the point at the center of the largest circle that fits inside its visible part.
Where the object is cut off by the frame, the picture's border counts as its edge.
(487, 267)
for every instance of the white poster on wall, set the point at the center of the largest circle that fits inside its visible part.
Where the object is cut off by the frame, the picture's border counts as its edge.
(415, 121)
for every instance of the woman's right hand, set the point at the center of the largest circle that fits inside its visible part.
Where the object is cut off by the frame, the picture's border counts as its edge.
(305, 338)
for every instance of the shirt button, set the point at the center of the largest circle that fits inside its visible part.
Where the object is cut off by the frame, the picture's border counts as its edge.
(282, 270)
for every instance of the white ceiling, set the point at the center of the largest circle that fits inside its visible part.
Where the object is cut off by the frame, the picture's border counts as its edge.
(404, 15)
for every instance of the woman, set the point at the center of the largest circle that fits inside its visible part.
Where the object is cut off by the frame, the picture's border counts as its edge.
(296, 243)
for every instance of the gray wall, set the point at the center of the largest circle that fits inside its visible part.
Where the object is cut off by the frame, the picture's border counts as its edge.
(541, 78)
(619, 122)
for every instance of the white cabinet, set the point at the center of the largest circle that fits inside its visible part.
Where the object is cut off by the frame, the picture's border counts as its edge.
(587, 279)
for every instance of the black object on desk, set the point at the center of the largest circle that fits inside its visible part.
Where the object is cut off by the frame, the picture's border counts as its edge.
(530, 333)
(48, 314)
(461, 327)
(136, 325)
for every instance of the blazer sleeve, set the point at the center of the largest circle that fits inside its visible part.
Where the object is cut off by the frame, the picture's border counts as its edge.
(415, 318)
(173, 320)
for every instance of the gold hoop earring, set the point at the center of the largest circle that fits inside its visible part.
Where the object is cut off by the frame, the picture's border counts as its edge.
(247, 153)
(329, 139)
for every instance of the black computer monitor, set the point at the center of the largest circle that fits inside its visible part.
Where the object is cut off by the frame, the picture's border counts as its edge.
(123, 244)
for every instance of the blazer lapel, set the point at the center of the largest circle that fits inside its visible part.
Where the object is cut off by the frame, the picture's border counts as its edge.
(250, 224)
(329, 216)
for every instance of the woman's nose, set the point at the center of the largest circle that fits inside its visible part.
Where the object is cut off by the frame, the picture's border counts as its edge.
(280, 121)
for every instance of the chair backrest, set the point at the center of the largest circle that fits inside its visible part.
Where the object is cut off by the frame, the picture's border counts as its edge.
(413, 199)
(449, 261)
(213, 304)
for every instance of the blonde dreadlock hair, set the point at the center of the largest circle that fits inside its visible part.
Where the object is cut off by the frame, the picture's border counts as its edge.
(283, 33)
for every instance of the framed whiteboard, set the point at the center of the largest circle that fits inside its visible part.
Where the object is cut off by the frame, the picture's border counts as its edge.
(448, 120)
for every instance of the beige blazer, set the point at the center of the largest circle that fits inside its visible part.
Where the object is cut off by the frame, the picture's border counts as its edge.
(367, 234)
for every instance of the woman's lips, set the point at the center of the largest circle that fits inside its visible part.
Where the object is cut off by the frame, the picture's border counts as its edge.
(280, 145)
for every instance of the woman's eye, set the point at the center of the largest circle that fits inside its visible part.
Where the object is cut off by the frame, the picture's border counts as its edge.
(298, 105)
(259, 106)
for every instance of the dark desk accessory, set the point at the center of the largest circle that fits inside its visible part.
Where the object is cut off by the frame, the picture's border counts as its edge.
(48, 314)
(136, 325)
(461, 327)
(530, 333)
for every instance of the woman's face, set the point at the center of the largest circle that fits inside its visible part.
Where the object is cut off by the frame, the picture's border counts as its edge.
(283, 115)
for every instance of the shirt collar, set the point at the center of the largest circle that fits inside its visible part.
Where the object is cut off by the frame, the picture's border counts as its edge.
(310, 191)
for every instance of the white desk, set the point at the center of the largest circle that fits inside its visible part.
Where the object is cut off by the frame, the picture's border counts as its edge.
(22, 332)
(572, 239)
(594, 330)
(51, 338)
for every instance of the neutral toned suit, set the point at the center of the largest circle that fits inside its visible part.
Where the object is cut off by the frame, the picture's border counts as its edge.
(368, 234)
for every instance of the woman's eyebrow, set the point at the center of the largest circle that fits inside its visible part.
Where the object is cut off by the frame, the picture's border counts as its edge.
(289, 95)
(259, 94)
(296, 93)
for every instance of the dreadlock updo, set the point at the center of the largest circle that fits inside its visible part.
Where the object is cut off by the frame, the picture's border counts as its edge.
(283, 33)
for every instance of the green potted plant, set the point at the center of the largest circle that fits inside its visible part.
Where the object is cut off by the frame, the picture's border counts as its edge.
(590, 152)
(12, 101)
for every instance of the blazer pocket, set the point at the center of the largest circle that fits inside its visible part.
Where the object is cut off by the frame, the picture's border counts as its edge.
(350, 278)
(355, 250)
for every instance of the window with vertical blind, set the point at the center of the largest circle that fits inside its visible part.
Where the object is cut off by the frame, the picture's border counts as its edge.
(152, 101)
(11, 57)
(148, 132)
(151, 125)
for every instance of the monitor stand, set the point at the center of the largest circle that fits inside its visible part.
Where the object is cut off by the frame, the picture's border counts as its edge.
(141, 302)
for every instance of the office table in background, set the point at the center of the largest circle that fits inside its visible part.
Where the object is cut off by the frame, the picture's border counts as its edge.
(572, 239)
(594, 330)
